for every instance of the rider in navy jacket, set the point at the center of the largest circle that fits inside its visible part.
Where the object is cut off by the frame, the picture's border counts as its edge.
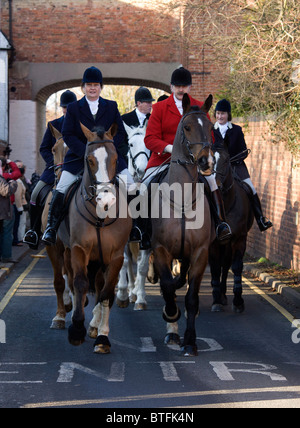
(75, 139)
(92, 111)
(48, 177)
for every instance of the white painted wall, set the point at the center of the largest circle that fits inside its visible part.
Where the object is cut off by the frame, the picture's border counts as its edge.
(23, 133)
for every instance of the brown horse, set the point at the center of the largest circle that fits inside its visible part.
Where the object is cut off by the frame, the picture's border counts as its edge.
(56, 252)
(240, 218)
(95, 240)
(177, 238)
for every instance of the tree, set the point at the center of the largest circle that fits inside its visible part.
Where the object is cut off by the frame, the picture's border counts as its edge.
(259, 43)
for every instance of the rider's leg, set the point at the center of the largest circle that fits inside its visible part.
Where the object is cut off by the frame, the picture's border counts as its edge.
(263, 222)
(223, 229)
(56, 207)
(32, 236)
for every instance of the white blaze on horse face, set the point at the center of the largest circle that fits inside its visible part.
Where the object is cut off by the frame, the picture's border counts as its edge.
(105, 199)
(217, 158)
(200, 122)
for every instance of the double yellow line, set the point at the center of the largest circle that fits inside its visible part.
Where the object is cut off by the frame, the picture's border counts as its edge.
(13, 289)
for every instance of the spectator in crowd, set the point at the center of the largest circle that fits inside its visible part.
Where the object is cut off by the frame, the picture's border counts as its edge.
(10, 172)
(20, 206)
(7, 189)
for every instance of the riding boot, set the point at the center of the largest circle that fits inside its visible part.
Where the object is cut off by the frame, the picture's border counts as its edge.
(263, 222)
(223, 229)
(32, 236)
(54, 218)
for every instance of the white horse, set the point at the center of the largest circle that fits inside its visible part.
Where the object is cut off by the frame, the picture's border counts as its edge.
(132, 289)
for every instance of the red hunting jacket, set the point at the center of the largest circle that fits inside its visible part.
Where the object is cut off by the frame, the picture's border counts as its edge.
(162, 128)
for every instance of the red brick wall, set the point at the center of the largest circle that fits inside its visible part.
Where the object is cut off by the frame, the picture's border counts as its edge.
(277, 181)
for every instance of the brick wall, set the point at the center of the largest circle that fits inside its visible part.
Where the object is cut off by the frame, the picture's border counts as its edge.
(277, 180)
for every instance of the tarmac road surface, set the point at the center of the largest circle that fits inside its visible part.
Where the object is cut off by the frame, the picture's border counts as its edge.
(247, 360)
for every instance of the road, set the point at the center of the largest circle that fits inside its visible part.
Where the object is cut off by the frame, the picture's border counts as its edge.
(248, 360)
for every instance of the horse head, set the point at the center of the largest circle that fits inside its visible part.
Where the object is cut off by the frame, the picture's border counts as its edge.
(101, 166)
(138, 154)
(197, 134)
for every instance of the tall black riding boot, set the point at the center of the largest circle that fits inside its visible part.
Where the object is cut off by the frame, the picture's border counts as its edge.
(32, 236)
(54, 218)
(263, 222)
(223, 229)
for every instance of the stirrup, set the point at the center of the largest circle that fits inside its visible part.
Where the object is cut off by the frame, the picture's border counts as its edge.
(31, 238)
(49, 237)
(264, 224)
(135, 234)
(223, 231)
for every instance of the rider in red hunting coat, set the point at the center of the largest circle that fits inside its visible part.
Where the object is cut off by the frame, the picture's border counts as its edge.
(160, 134)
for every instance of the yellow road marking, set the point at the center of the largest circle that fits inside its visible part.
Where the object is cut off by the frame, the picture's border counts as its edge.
(279, 308)
(13, 289)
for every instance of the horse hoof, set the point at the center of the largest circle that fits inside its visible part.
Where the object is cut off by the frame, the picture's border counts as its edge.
(238, 309)
(101, 349)
(92, 332)
(189, 351)
(140, 306)
(172, 339)
(68, 308)
(133, 298)
(122, 303)
(217, 307)
(76, 335)
(102, 345)
(58, 325)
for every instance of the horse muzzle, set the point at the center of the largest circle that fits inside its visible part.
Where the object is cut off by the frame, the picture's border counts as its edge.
(206, 163)
(105, 200)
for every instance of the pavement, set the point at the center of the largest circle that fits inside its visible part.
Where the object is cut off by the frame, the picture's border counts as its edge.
(18, 253)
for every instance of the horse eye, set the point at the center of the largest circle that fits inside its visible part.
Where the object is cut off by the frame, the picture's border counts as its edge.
(187, 128)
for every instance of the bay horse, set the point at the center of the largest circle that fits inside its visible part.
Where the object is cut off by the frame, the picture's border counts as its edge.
(171, 238)
(94, 237)
(56, 252)
(130, 288)
(240, 217)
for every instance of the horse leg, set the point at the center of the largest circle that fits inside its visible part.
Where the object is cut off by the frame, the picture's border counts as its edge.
(58, 322)
(105, 301)
(122, 294)
(171, 312)
(142, 271)
(192, 303)
(93, 327)
(226, 264)
(215, 270)
(237, 268)
(77, 330)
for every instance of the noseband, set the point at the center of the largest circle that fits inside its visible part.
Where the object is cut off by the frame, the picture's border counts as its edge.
(188, 144)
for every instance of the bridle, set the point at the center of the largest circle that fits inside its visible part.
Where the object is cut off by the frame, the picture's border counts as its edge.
(91, 192)
(188, 144)
(134, 158)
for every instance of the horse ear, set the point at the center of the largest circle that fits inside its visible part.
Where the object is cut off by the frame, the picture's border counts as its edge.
(90, 136)
(113, 129)
(128, 129)
(56, 134)
(186, 104)
(207, 104)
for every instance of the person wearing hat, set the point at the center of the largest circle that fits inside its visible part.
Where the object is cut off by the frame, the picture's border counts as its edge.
(138, 116)
(92, 111)
(160, 134)
(237, 148)
(48, 177)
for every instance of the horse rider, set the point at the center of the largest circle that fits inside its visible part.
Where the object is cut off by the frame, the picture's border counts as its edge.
(134, 119)
(92, 111)
(160, 134)
(234, 135)
(47, 178)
